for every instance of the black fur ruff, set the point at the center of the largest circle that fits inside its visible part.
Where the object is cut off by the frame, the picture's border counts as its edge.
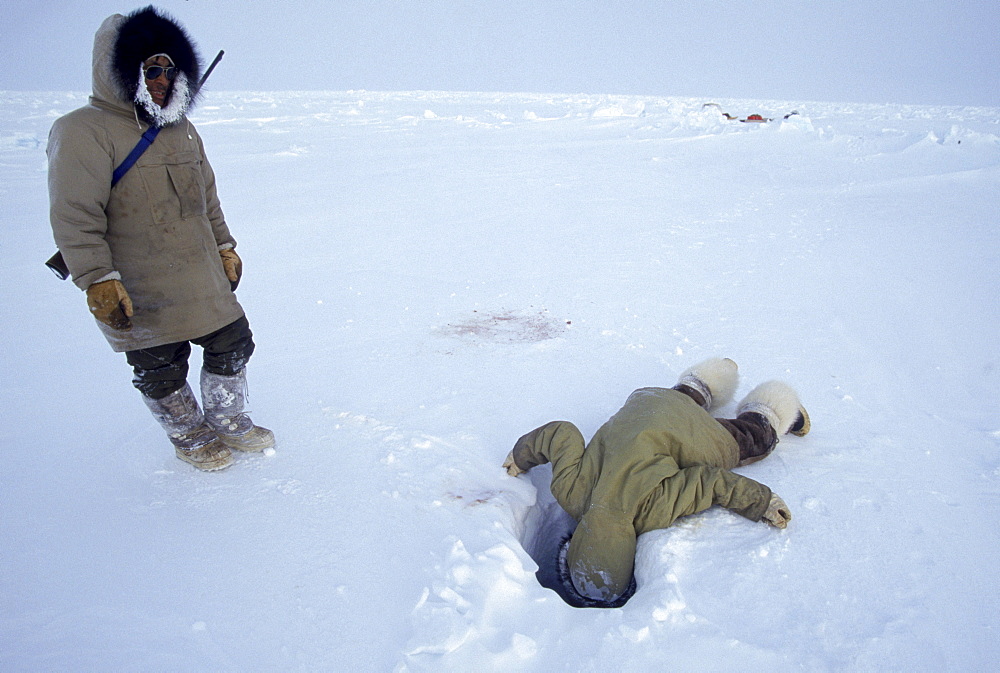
(574, 597)
(149, 31)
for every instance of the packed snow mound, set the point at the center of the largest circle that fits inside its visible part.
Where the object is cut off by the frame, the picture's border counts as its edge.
(430, 275)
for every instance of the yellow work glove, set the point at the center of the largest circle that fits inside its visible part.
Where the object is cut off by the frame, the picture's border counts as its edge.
(110, 303)
(777, 514)
(511, 467)
(233, 265)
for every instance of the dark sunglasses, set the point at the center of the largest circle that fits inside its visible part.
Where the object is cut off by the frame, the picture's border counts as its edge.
(154, 71)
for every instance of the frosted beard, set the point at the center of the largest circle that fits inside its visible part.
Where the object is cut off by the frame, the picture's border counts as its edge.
(177, 101)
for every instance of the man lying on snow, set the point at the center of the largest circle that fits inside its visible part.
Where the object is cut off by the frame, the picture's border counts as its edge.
(661, 457)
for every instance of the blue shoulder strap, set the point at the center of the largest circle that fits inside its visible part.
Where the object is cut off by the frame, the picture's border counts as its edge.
(144, 142)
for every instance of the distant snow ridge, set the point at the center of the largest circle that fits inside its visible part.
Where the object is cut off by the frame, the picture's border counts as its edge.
(625, 108)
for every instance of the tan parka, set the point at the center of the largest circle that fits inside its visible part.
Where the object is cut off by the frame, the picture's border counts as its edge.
(659, 458)
(161, 227)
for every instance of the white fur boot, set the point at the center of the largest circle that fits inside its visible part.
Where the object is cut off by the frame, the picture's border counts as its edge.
(779, 404)
(714, 379)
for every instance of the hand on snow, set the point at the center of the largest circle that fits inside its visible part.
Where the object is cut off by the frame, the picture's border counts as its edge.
(777, 514)
(511, 467)
(110, 303)
(233, 265)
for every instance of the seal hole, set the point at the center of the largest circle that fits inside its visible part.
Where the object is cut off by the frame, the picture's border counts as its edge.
(546, 525)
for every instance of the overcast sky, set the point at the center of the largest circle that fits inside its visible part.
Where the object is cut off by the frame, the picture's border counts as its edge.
(874, 51)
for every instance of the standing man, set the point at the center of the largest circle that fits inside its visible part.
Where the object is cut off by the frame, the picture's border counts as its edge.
(153, 251)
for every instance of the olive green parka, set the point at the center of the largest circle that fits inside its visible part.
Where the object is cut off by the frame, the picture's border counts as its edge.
(661, 457)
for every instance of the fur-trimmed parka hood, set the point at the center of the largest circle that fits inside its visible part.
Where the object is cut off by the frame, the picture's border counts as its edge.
(123, 43)
(574, 596)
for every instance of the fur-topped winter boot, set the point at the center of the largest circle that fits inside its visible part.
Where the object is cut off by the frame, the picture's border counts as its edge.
(225, 403)
(779, 404)
(194, 442)
(713, 381)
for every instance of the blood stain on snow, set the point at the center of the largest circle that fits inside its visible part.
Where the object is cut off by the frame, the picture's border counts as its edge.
(506, 327)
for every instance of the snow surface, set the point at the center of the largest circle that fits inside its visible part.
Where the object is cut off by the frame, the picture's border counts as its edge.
(429, 276)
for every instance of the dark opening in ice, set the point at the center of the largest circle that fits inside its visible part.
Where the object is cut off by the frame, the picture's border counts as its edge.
(545, 527)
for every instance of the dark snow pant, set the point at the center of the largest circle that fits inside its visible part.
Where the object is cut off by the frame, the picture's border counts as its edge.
(754, 434)
(161, 370)
(752, 431)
